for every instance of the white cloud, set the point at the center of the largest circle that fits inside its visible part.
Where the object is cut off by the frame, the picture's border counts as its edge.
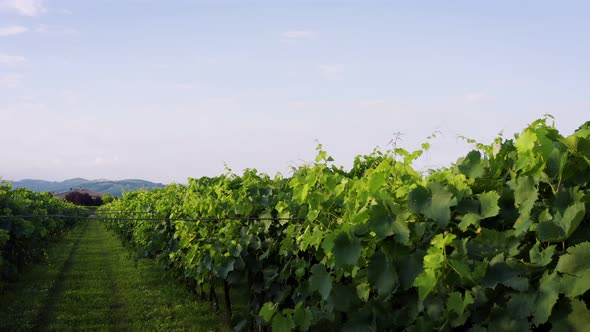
(297, 104)
(474, 98)
(12, 30)
(56, 30)
(184, 86)
(161, 66)
(10, 81)
(23, 7)
(330, 70)
(299, 34)
(68, 97)
(64, 11)
(12, 60)
(372, 102)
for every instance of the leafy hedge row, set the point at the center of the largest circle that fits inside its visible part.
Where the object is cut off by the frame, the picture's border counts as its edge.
(23, 240)
(499, 241)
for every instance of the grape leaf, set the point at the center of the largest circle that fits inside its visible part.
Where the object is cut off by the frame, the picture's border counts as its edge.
(575, 266)
(320, 280)
(489, 204)
(267, 311)
(346, 251)
(382, 275)
(282, 323)
(547, 295)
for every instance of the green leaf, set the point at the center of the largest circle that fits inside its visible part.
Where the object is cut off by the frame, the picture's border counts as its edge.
(346, 251)
(439, 208)
(472, 166)
(418, 199)
(574, 318)
(525, 196)
(575, 266)
(361, 216)
(376, 181)
(409, 267)
(312, 216)
(320, 280)
(521, 305)
(572, 217)
(468, 220)
(328, 243)
(401, 231)
(267, 311)
(440, 241)
(547, 295)
(489, 204)
(381, 222)
(425, 282)
(385, 224)
(344, 298)
(281, 323)
(550, 231)
(435, 308)
(457, 304)
(518, 283)
(541, 257)
(302, 317)
(490, 243)
(359, 320)
(362, 291)
(500, 273)
(322, 155)
(300, 193)
(526, 141)
(226, 268)
(382, 275)
(556, 162)
(500, 321)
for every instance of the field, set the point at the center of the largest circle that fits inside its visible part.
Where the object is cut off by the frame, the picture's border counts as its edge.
(89, 282)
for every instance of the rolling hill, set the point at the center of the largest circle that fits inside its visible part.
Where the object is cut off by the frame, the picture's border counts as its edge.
(115, 188)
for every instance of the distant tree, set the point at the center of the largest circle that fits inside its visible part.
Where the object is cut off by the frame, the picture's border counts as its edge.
(107, 198)
(84, 199)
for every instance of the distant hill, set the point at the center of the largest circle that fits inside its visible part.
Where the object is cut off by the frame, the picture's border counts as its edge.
(114, 188)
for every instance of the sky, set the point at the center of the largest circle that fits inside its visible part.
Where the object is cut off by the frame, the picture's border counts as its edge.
(168, 89)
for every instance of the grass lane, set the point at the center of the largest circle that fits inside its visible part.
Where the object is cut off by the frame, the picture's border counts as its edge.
(90, 283)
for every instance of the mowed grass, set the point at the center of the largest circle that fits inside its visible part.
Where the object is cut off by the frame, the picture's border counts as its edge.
(90, 283)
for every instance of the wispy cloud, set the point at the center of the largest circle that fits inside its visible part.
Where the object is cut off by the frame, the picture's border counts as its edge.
(12, 30)
(68, 97)
(12, 60)
(161, 66)
(56, 30)
(184, 85)
(64, 11)
(23, 7)
(10, 81)
(299, 34)
(369, 103)
(330, 70)
(474, 98)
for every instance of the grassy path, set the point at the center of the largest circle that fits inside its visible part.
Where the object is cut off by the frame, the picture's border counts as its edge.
(89, 283)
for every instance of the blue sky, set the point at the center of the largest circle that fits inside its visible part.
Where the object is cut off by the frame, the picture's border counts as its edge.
(164, 90)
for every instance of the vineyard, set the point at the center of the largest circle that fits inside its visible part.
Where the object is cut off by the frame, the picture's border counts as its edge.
(24, 239)
(496, 242)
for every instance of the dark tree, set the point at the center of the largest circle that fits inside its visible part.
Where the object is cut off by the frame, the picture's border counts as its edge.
(84, 199)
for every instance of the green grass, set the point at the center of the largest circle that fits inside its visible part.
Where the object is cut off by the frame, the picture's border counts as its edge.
(90, 283)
